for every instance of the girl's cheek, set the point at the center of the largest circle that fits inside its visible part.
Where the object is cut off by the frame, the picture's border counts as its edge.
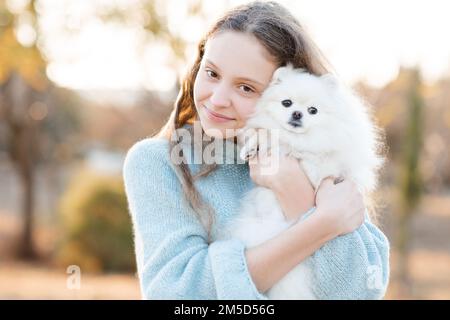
(199, 90)
(245, 111)
(197, 85)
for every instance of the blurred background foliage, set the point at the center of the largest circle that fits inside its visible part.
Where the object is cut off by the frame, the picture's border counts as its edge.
(61, 152)
(95, 231)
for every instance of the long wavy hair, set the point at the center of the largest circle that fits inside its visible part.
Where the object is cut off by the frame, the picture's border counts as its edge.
(285, 40)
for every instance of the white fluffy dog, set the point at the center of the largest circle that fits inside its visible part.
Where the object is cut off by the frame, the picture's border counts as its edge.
(324, 125)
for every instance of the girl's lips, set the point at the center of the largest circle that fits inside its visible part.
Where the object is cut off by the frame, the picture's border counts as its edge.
(216, 116)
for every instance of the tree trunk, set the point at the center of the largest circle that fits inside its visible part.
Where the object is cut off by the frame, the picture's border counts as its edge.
(25, 168)
(403, 274)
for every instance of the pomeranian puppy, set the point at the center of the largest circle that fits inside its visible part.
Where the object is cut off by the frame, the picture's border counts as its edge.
(328, 129)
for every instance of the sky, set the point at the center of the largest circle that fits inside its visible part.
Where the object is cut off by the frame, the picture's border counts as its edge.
(364, 40)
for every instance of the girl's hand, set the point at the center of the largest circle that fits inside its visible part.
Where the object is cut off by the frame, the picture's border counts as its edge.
(286, 178)
(340, 205)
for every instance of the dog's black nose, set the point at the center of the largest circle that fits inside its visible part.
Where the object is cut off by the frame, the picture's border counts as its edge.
(297, 115)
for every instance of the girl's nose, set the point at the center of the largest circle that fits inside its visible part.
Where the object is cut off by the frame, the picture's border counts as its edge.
(220, 96)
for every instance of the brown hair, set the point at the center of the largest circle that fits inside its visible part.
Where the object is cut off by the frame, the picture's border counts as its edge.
(285, 40)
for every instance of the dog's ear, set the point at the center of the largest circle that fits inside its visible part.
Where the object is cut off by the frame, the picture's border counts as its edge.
(276, 77)
(279, 73)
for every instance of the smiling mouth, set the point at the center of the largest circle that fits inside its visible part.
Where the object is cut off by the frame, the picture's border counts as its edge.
(217, 114)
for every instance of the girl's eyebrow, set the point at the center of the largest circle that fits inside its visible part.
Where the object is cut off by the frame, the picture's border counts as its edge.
(239, 78)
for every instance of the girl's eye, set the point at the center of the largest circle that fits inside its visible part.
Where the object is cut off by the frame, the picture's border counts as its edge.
(211, 73)
(312, 110)
(247, 89)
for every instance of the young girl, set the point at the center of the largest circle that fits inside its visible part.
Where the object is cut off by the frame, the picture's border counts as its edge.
(178, 206)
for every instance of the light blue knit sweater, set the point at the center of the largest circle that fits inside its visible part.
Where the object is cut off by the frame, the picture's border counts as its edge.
(174, 260)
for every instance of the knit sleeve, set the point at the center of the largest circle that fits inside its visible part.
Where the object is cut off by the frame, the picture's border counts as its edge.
(174, 261)
(353, 266)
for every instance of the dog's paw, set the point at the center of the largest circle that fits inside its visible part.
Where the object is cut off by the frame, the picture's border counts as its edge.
(248, 153)
(295, 154)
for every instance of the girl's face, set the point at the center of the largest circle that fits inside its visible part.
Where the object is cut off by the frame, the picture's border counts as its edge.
(233, 73)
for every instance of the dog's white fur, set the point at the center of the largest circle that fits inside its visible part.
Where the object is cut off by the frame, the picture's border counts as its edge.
(340, 140)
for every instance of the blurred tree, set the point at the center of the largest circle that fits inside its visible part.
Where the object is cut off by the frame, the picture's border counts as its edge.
(96, 232)
(22, 77)
(118, 128)
(392, 108)
(32, 125)
(152, 16)
(436, 156)
(410, 176)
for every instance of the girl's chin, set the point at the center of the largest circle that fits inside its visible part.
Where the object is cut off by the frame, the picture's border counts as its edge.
(220, 133)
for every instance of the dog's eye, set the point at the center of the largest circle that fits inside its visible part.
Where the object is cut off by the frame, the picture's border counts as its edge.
(286, 103)
(312, 110)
